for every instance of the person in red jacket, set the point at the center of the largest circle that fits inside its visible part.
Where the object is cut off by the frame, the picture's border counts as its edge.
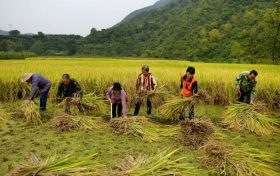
(188, 89)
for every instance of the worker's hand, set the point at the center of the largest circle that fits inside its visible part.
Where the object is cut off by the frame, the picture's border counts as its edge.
(238, 89)
(251, 103)
(125, 116)
(195, 95)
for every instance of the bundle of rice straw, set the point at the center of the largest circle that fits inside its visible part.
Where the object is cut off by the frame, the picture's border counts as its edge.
(133, 126)
(66, 122)
(159, 164)
(173, 107)
(54, 166)
(244, 117)
(95, 103)
(245, 160)
(30, 111)
(195, 133)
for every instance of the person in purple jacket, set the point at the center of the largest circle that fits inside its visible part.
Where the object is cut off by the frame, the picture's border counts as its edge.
(117, 96)
(38, 82)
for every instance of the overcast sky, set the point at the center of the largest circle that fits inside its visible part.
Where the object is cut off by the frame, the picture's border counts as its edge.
(65, 16)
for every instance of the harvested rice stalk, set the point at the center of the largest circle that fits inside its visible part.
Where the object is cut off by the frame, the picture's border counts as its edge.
(66, 166)
(68, 101)
(159, 164)
(244, 117)
(245, 160)
(66, 122)
(133, 126)
(195, 133)
(94, 103)
(30, 112)
(171, 109)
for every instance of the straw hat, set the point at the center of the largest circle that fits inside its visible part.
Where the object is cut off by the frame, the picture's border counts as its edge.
(26, 76)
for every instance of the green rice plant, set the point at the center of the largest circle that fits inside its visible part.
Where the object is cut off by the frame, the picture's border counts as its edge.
(244, 160)
(134, 126)
(159, 164)
(171, 109)
(66, 122)
(31, 113)
(54, 166)
(244, 117)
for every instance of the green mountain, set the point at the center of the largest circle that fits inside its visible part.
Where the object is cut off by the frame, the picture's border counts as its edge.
(204, 30)
(158, 4)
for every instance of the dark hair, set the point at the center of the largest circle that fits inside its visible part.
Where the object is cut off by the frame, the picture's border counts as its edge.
(145, 67)
(254, 72)
(191, 70)
(66, 76)
(117, 86)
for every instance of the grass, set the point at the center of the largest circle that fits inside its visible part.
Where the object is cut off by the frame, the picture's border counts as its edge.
(244, 117)
(96, 76)
(111, 148)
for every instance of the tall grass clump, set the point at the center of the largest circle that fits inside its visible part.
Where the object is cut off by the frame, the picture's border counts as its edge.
(30, 111)
(54, 166)
(244, 160)
(244, 117)
(15, 55)
(159, 164)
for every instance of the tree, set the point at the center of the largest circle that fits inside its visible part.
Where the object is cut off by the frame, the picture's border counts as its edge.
(276, 21)
(93, 31)
(236, 51)
(214, 34)
(14, 33)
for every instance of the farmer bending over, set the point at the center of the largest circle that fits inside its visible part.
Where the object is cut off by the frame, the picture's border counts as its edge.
(189, 89)
(117, 96)
(145, 86)
(69, 88)
(246, 86)
(38, 82)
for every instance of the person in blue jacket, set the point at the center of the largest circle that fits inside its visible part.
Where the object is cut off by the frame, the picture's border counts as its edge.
(38, 82)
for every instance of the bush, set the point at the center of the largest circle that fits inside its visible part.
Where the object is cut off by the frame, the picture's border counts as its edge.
(15, 55)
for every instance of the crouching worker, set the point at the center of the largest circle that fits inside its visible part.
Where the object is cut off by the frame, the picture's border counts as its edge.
(38, 82)
(117, 96)
(246, 86)
(69, 88)
(189, 89)
(146, 86)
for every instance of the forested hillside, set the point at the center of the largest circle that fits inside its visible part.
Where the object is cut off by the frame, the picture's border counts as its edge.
(216, 30)
(198, 30)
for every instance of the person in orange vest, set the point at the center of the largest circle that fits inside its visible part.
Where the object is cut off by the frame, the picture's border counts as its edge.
(189, 88)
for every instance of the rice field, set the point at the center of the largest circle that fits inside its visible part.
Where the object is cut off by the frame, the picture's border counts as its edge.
(91, 144)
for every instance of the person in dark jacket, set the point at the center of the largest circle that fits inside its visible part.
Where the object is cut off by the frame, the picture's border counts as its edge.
(189, 88)
(69, 88)
(38, 82)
